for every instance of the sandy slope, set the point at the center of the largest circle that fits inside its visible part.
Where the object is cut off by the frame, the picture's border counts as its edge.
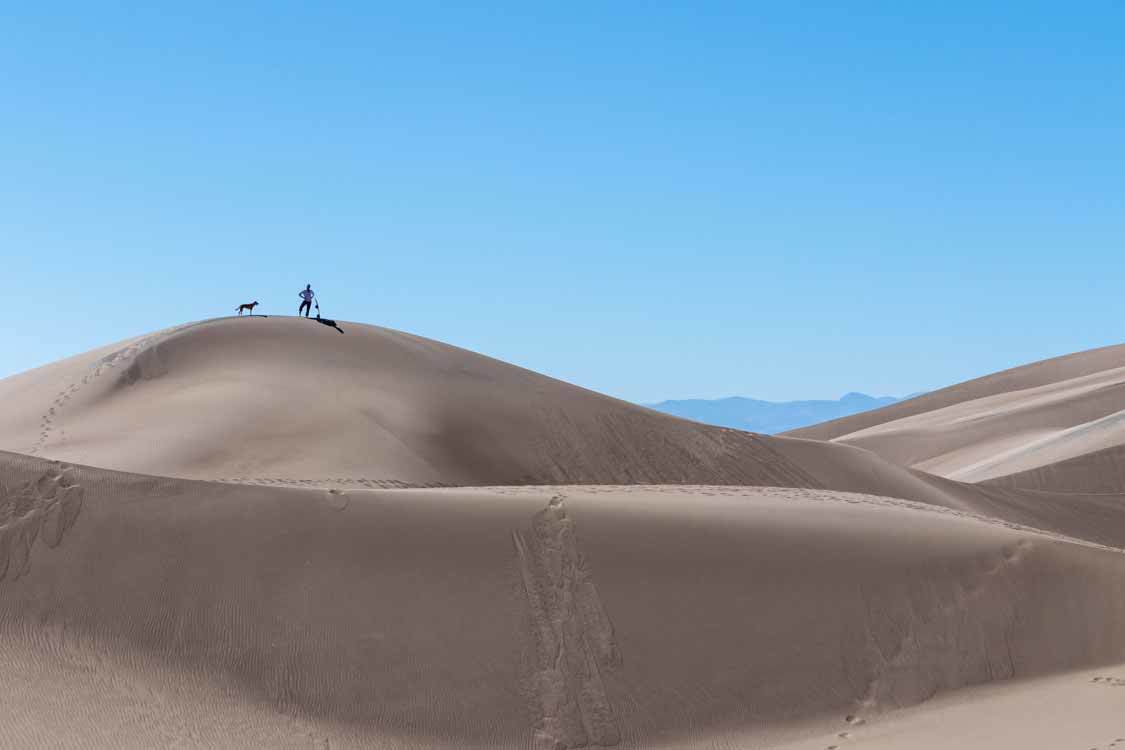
(288, 402)
(768, 589)
(288, 399)
(144, 612)
(960, 434)
(1099, 472)
(1072, 710)
(1032, 375)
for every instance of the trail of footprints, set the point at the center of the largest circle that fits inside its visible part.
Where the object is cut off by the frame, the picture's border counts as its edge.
(1117, 744)
(852, 720)
(1109, 682)
(49, 420)
(44, 508)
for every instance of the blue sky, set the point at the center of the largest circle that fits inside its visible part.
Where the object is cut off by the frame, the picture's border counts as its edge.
(782, 200)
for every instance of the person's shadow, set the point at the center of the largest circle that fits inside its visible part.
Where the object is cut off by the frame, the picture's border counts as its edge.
(327, 322)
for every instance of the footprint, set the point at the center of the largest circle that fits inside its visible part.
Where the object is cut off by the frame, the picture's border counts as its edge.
(338, 501)
(1109, 681)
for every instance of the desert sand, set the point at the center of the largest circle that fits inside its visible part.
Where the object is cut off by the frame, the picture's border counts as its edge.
(258, 532)
(1015, 422)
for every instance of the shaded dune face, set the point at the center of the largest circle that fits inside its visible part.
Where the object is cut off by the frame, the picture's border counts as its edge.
(284, 400)
(1098, 472)
(514, 617)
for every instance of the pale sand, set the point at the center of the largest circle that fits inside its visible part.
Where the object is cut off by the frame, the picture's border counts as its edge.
(1074, 710)
(997, 426)
(296, 605)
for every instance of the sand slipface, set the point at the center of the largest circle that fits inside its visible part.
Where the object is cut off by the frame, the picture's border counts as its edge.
(603, 576)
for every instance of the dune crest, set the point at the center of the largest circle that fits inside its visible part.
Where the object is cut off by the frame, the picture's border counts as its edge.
(284, 400)
(377, 540)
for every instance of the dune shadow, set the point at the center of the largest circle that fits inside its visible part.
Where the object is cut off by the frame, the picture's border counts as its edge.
(329, 323)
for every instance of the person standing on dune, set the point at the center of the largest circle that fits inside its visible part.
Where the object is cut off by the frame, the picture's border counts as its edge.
(306, 296)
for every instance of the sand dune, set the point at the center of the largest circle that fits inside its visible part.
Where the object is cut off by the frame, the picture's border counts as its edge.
(1009, 432)
(1097, 472)
(630, 616)
(276, 573)
(288, 400)
(1019, 378)
(1092, 515)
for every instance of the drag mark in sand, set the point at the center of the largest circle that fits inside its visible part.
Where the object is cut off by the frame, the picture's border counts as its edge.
(44, 508)
(571, 638)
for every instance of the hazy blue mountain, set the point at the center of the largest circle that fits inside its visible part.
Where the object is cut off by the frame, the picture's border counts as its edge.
(770, 416)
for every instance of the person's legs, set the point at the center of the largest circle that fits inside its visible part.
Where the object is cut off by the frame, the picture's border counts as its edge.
(305, 306)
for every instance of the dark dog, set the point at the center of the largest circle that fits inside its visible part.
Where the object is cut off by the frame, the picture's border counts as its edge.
(249, 307)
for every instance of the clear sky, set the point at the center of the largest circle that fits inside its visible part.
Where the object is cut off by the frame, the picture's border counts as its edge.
(654, 200)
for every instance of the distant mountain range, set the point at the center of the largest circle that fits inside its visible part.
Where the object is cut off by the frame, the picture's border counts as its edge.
(771, 417)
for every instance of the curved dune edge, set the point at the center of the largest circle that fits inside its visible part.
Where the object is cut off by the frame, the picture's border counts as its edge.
(284, 400)
(1013, 423)
(1031, 375)
(1098, 472)
(1006, 433)
(229, 615)
(345, 562)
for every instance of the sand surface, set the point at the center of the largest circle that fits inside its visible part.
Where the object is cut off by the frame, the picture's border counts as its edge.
(1072, 710)
(632, 616)
(1019, 378)
(1023, 422)
(275, 572)
(287, 401)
